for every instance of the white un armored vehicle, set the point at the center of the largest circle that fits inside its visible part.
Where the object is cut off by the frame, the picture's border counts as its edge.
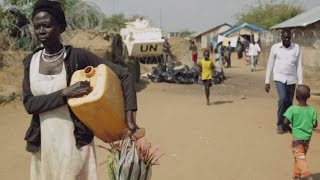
(137, 42)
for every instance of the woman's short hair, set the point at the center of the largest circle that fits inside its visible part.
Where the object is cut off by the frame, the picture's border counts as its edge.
(54, 8)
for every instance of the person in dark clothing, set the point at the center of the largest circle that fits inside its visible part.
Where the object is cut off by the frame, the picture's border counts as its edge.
(211, 48)
(166, 51)
(60, 143)
(239, 49)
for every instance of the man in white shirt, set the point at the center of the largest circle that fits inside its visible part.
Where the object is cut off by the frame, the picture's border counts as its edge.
(285, 62)
(254, 50)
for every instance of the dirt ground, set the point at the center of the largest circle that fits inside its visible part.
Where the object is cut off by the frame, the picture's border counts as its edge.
(232, 139)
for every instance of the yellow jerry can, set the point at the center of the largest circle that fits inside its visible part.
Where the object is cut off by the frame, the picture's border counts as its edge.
(102, 110)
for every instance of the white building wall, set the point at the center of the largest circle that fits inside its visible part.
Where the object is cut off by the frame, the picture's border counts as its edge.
(206, 38)
(204, 41)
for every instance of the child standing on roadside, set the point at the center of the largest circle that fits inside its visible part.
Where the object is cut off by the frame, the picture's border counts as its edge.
(194, 51)
(303, 119)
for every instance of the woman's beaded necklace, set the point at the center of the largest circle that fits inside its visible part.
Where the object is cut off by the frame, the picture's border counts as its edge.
(61, 52)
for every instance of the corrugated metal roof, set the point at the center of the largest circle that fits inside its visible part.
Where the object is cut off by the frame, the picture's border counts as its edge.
(301, 20)
(216, 27)
(242, 25)
(196, 34)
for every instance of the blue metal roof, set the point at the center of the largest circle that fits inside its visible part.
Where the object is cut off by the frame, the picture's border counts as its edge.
(242, 25)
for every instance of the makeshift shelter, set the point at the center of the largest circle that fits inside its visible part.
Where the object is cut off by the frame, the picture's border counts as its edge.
(225, 41)
(204, 38)
(244, 30)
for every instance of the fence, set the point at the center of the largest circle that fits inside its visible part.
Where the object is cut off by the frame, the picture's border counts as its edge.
(309, 41)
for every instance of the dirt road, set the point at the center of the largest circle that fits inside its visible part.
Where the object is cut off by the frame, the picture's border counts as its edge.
(232, 139)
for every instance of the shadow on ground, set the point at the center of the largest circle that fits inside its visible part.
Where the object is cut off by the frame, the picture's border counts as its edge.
(220, 102)
(142, 84)
(1, 61)
(316, 93)
(259, 69)
(316, 131)
(315, 176)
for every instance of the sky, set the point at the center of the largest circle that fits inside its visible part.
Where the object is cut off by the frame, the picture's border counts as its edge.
(178, 15)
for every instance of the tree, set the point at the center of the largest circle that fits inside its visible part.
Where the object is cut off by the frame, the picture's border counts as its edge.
(25, 6)
(115, 22)
(78, 14)
(4, 23)
(269, 13)
(118, 21)
(186, 33)
(136, 16)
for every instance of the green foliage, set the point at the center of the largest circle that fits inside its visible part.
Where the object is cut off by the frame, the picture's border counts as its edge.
(134, 17)
(25, 6)
(19, 3)
(186, 33)
(8, 97)
(118, 21)
(4, 19)
(269, 13)
(78, 14)
(115, 22)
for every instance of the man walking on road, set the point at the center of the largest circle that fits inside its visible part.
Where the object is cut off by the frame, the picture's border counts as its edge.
(254, 50)
(285, 62)
(229, 50)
